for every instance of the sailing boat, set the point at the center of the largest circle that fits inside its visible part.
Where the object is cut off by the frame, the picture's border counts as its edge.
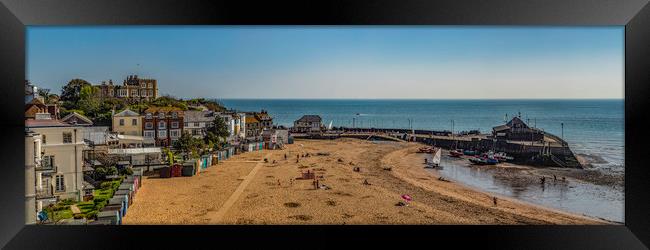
(329, 127)
(435, 161)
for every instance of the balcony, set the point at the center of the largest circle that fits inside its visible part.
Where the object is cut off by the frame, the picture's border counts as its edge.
(135, 151)
(47, 168)
(45, 193)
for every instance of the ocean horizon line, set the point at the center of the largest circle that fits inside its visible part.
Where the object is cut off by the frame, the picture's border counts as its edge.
(425, 99)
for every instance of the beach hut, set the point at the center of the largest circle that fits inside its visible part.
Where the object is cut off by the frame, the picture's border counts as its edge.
(132, 180)
(165, 172)
(177, 170)
(109, 216)
(117, 204)
(127, 193)
(137, 174)
(188, 169)
(231, 151)
(204, 162)
(120, 199)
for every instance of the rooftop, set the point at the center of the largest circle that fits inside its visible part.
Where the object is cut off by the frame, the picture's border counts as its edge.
(198, 116)
(127, 112)
(31, 123)
(310, 118)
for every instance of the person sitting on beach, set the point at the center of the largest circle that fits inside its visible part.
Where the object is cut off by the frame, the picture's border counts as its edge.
(425, 160)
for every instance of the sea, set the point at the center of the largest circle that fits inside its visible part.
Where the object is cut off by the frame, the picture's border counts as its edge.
(594, 128)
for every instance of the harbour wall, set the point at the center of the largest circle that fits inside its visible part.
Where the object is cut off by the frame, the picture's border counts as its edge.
(529, 153)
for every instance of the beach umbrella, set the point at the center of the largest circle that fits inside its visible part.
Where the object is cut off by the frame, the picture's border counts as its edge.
(407, 197)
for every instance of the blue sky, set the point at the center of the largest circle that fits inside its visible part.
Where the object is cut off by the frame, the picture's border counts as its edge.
(426, 62)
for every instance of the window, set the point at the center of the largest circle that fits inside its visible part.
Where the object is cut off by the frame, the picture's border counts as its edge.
(148, 125)
(60, 184)
(196, 124)
(121, 122)
(161, 125)
(134, 92)
(148, 116)
(174, 115)
(173, 133)
(134, 122)
(196, 132)
(44, 139)
(187, 124)
(67, 137)
(174, 124)
(161, 115)
(162, 133)
(149, 134)
(48, 161)
(150, 92)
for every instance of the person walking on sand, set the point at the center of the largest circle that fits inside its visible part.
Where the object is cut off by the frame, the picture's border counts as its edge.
(285, 156)
(543, 180)
(494, 200)
(554, 178)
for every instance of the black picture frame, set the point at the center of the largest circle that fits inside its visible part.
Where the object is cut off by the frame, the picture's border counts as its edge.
(15, 15)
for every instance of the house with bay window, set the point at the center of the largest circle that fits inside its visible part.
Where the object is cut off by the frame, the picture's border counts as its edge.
(55, 157)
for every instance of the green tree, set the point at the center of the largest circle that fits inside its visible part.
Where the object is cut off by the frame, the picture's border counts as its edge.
(217, 131)
(71, 91)
(188, 144)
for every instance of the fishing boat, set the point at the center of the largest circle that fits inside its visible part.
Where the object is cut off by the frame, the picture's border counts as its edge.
(456, 153)
(483, 160)
(502, 157)
(428, 150)
(435, 161)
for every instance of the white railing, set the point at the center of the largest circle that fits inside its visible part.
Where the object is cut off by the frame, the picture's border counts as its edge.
(134, 150)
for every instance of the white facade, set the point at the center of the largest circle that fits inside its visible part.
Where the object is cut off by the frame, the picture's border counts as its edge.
(62, 161)
(242, 125)
(32, 160)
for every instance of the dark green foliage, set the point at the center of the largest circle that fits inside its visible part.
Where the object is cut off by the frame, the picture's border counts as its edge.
(91, 215)
(188, 144)
(126, 171)
(71, 91)
(81, 97)
(217, 133)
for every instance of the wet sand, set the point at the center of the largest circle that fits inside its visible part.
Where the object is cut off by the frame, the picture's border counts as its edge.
(245, 190)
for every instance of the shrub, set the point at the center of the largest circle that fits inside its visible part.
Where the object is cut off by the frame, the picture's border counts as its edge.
(67, 201)
(98, 200)
(91, 215)
(78, 216)
(126, 171)
(111, 171)
(106, 185)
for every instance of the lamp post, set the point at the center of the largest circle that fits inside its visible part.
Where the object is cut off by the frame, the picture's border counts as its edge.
(562, 125)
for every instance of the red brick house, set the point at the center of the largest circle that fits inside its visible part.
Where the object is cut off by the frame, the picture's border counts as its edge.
(164, 124)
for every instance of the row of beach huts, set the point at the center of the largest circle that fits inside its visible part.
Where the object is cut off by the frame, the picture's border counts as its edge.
(118, 206)
(195, 166)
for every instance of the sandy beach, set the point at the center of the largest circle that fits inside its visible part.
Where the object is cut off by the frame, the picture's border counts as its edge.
(246, 190)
